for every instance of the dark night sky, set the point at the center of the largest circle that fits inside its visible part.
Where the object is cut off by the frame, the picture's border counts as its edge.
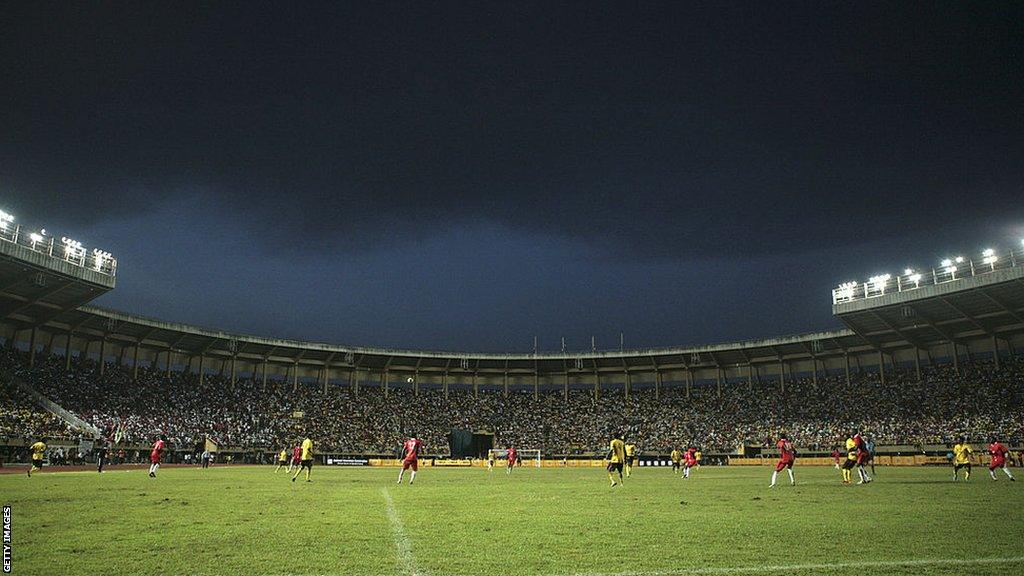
(414, 176)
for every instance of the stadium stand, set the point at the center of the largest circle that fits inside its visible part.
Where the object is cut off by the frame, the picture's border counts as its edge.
(977, 399)
(20, 415)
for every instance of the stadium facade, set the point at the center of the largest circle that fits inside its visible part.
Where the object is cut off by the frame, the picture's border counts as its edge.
(958, 312)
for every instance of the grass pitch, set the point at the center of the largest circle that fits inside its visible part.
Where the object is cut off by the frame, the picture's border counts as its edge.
(557, 522)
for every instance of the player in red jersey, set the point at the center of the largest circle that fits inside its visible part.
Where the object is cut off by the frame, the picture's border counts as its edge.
(835, 456)
(690, 460)
(296, 458)
(511, 458)
(787, 456)
(154, 455)
(999, 454)
(862, 458)
(410, 457)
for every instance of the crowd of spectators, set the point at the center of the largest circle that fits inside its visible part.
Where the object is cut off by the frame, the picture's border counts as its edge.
(943, 405)
(21, 418)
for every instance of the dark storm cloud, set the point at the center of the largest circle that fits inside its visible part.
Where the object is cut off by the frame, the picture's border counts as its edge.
(665, 130)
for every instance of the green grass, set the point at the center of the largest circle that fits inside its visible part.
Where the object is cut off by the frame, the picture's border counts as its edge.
(247, 520)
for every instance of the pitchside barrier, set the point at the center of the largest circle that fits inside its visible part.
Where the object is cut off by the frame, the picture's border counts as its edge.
(919, 460)
(478, 463)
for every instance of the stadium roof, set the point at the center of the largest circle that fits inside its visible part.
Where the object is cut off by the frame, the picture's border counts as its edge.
(128, 329)
(50, 294)
(990, 304)
(38, 286)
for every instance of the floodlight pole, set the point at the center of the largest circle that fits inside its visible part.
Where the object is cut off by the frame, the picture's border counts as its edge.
(917, 362)
(135, 362)
(32, 348)
(67, 353)
(103, 351)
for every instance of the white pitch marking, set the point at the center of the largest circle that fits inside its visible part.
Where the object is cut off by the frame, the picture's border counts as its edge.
(730, 569)
(784, 568)
(403, 547)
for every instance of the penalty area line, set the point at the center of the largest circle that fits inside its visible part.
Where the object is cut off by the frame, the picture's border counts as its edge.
(403, 546)
(784, 568)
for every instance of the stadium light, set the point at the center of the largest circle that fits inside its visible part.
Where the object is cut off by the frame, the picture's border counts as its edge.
(101, 258)
(5, 220)
(846, 290)
(36, 238)
(989, 257)
(73, 250)
(949, 267)
(878, 282)
(912, 276)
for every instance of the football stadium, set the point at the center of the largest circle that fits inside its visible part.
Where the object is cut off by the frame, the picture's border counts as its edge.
(267, 272)
(891, 431)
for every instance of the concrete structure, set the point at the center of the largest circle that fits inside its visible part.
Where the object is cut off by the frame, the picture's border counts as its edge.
(980, 315)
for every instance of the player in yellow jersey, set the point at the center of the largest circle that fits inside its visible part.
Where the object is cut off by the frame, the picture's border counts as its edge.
(307, 460)
(630, 458)
(37, 456)
(616, 458)
(962, 454)
(851, 460)
(698, 455)
(676, 457)
(282, 459)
